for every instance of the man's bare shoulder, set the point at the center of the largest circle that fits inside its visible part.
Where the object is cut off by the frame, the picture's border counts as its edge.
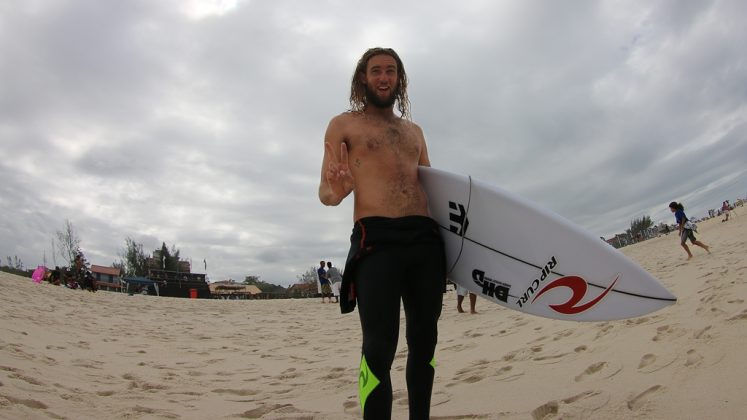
(344, 124)
(414, 127)
(345, 118)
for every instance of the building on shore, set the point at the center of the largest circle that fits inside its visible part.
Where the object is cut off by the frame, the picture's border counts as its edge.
(181, 283)
(107, 278)
(229, 289)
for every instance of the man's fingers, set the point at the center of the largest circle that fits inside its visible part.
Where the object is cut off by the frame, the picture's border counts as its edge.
(344, 153)
(330, 152)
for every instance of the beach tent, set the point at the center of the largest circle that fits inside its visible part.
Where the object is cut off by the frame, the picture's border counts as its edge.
(142, 281)
(39, 273)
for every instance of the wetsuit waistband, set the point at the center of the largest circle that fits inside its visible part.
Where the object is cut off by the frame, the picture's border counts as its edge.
(396, 223)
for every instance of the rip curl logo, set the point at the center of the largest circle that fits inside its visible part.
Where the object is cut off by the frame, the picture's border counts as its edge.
(539, 281)
(578, 287)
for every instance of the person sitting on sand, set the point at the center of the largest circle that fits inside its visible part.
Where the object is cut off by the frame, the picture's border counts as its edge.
(685, 228)
(55, 275)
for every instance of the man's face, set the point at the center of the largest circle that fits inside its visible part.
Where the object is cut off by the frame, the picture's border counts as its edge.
(381, 80)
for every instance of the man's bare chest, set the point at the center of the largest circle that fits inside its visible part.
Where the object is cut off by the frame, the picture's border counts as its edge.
(386, 140)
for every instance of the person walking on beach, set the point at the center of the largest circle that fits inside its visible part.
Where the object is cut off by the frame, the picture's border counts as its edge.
(335, 279)
(324, 282)
(396, 250)
(685, 228)
(725, 208)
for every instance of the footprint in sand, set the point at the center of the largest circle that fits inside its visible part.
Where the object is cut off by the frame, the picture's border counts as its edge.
(458, 347)
(582, 406)
(507, 374)
(549, 359)
(604, 330)
(740, 316)
(34, 404)
(651, 363)
(702, 333)
(538, 340)
(439, 397)
(265, 409)
(82, 345)
(639, 400)
(351, 407)
(503, 333)
(693, 358)
(638, 321)
(667, 332)
(546, 410)
(472, 374)
(335, 373)
(471, 379)
(563, 334)
(27, 379)
(595, 368)
(237, 392)
(708, 298)
(400, 398)
(646, 360)
(88, 364)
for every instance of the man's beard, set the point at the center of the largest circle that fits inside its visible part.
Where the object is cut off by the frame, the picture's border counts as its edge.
(373, 99)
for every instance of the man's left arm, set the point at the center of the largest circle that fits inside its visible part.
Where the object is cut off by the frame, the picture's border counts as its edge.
(424, 160)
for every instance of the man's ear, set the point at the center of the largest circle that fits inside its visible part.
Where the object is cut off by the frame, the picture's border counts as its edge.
(362, 78)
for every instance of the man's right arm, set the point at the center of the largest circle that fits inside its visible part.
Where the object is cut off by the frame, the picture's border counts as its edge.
(336, 182)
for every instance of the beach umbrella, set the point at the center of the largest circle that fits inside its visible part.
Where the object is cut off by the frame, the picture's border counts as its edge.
(38, 274)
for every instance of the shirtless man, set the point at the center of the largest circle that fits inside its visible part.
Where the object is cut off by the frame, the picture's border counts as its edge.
(396, 249)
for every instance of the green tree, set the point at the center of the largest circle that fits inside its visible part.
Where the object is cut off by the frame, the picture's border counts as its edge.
(15, 263)
(134, 261)
(168, 259)
(15, 266)
(68, 243)
(309, 276)
(263, 286)
(251, 280)
(640, 225)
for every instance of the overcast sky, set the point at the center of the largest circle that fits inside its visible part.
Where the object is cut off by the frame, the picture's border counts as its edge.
(201, 123)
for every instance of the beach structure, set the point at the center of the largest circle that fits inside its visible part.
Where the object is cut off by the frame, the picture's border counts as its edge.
(141, 285)
(229, 289)
(181, 283)
(107, 278)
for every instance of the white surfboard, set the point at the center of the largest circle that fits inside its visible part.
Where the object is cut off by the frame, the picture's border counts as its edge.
(524, 257)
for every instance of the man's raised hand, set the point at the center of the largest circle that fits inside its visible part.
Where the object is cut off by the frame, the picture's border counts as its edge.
(338, 176)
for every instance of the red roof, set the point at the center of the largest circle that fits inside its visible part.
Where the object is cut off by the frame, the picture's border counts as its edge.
(111, 271)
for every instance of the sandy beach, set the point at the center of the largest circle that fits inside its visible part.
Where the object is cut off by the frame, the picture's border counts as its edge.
(68, 354)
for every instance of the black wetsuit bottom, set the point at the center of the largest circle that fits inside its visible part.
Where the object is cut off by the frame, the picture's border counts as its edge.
(393, 259)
